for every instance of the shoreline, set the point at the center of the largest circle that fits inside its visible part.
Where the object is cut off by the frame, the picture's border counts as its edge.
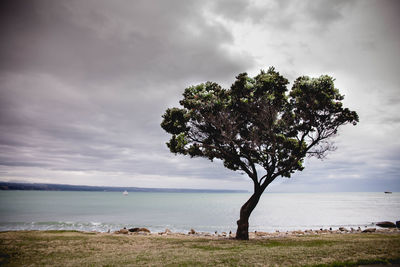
(259, 234)
(115, 227)
(224, 235)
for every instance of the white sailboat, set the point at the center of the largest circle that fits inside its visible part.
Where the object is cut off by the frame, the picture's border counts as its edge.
(125, 193)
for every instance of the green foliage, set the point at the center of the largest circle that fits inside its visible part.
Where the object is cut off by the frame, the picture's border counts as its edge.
(258, 124)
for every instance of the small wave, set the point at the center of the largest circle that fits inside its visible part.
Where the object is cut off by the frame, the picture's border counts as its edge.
(80, 226)
(93, 226)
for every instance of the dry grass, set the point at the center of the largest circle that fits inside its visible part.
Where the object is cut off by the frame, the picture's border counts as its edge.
(59, 248)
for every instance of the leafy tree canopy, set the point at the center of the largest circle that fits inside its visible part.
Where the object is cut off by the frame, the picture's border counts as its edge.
(258, 123)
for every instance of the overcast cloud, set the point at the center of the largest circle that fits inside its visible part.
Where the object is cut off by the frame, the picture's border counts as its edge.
(83, 85)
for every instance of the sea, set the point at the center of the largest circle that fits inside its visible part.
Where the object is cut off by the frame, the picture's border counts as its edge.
(180, 212)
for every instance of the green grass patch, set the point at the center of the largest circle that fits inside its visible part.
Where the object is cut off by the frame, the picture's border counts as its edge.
(294, 243)
(215, 248)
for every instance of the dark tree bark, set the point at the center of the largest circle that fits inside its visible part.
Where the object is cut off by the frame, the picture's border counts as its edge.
(242, 232)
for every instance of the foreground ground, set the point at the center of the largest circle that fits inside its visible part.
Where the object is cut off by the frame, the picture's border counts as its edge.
(66, 248)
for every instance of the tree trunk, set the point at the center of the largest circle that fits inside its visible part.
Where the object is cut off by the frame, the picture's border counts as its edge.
(242, 232)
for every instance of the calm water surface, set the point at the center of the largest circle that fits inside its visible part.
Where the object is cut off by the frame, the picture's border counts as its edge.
(209, 212)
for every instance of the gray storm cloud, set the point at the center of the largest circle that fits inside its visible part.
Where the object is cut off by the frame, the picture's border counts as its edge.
(83, 85)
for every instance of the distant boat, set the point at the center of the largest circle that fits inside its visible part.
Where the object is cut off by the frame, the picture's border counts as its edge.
(125, 193)
(388, 192)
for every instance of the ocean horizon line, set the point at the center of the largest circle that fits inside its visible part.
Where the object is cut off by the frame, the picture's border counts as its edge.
(95, 188)
(69, 187)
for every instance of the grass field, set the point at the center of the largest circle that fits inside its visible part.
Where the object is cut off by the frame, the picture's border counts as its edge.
(68, 248)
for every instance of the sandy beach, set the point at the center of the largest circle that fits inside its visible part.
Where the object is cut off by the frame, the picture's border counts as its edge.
(256, 234)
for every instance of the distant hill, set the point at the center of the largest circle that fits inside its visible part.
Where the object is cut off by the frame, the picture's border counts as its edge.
(65, 187)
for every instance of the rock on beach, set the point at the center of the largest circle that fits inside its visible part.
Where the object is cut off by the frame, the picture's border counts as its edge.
(122, 231)
(192, 232)
(386, 224)
(369, 230)
(138, 230)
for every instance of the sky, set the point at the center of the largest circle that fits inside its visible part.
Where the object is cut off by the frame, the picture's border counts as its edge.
(83, 86)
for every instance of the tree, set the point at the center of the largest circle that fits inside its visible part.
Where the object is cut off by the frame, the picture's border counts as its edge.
(258, 127)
